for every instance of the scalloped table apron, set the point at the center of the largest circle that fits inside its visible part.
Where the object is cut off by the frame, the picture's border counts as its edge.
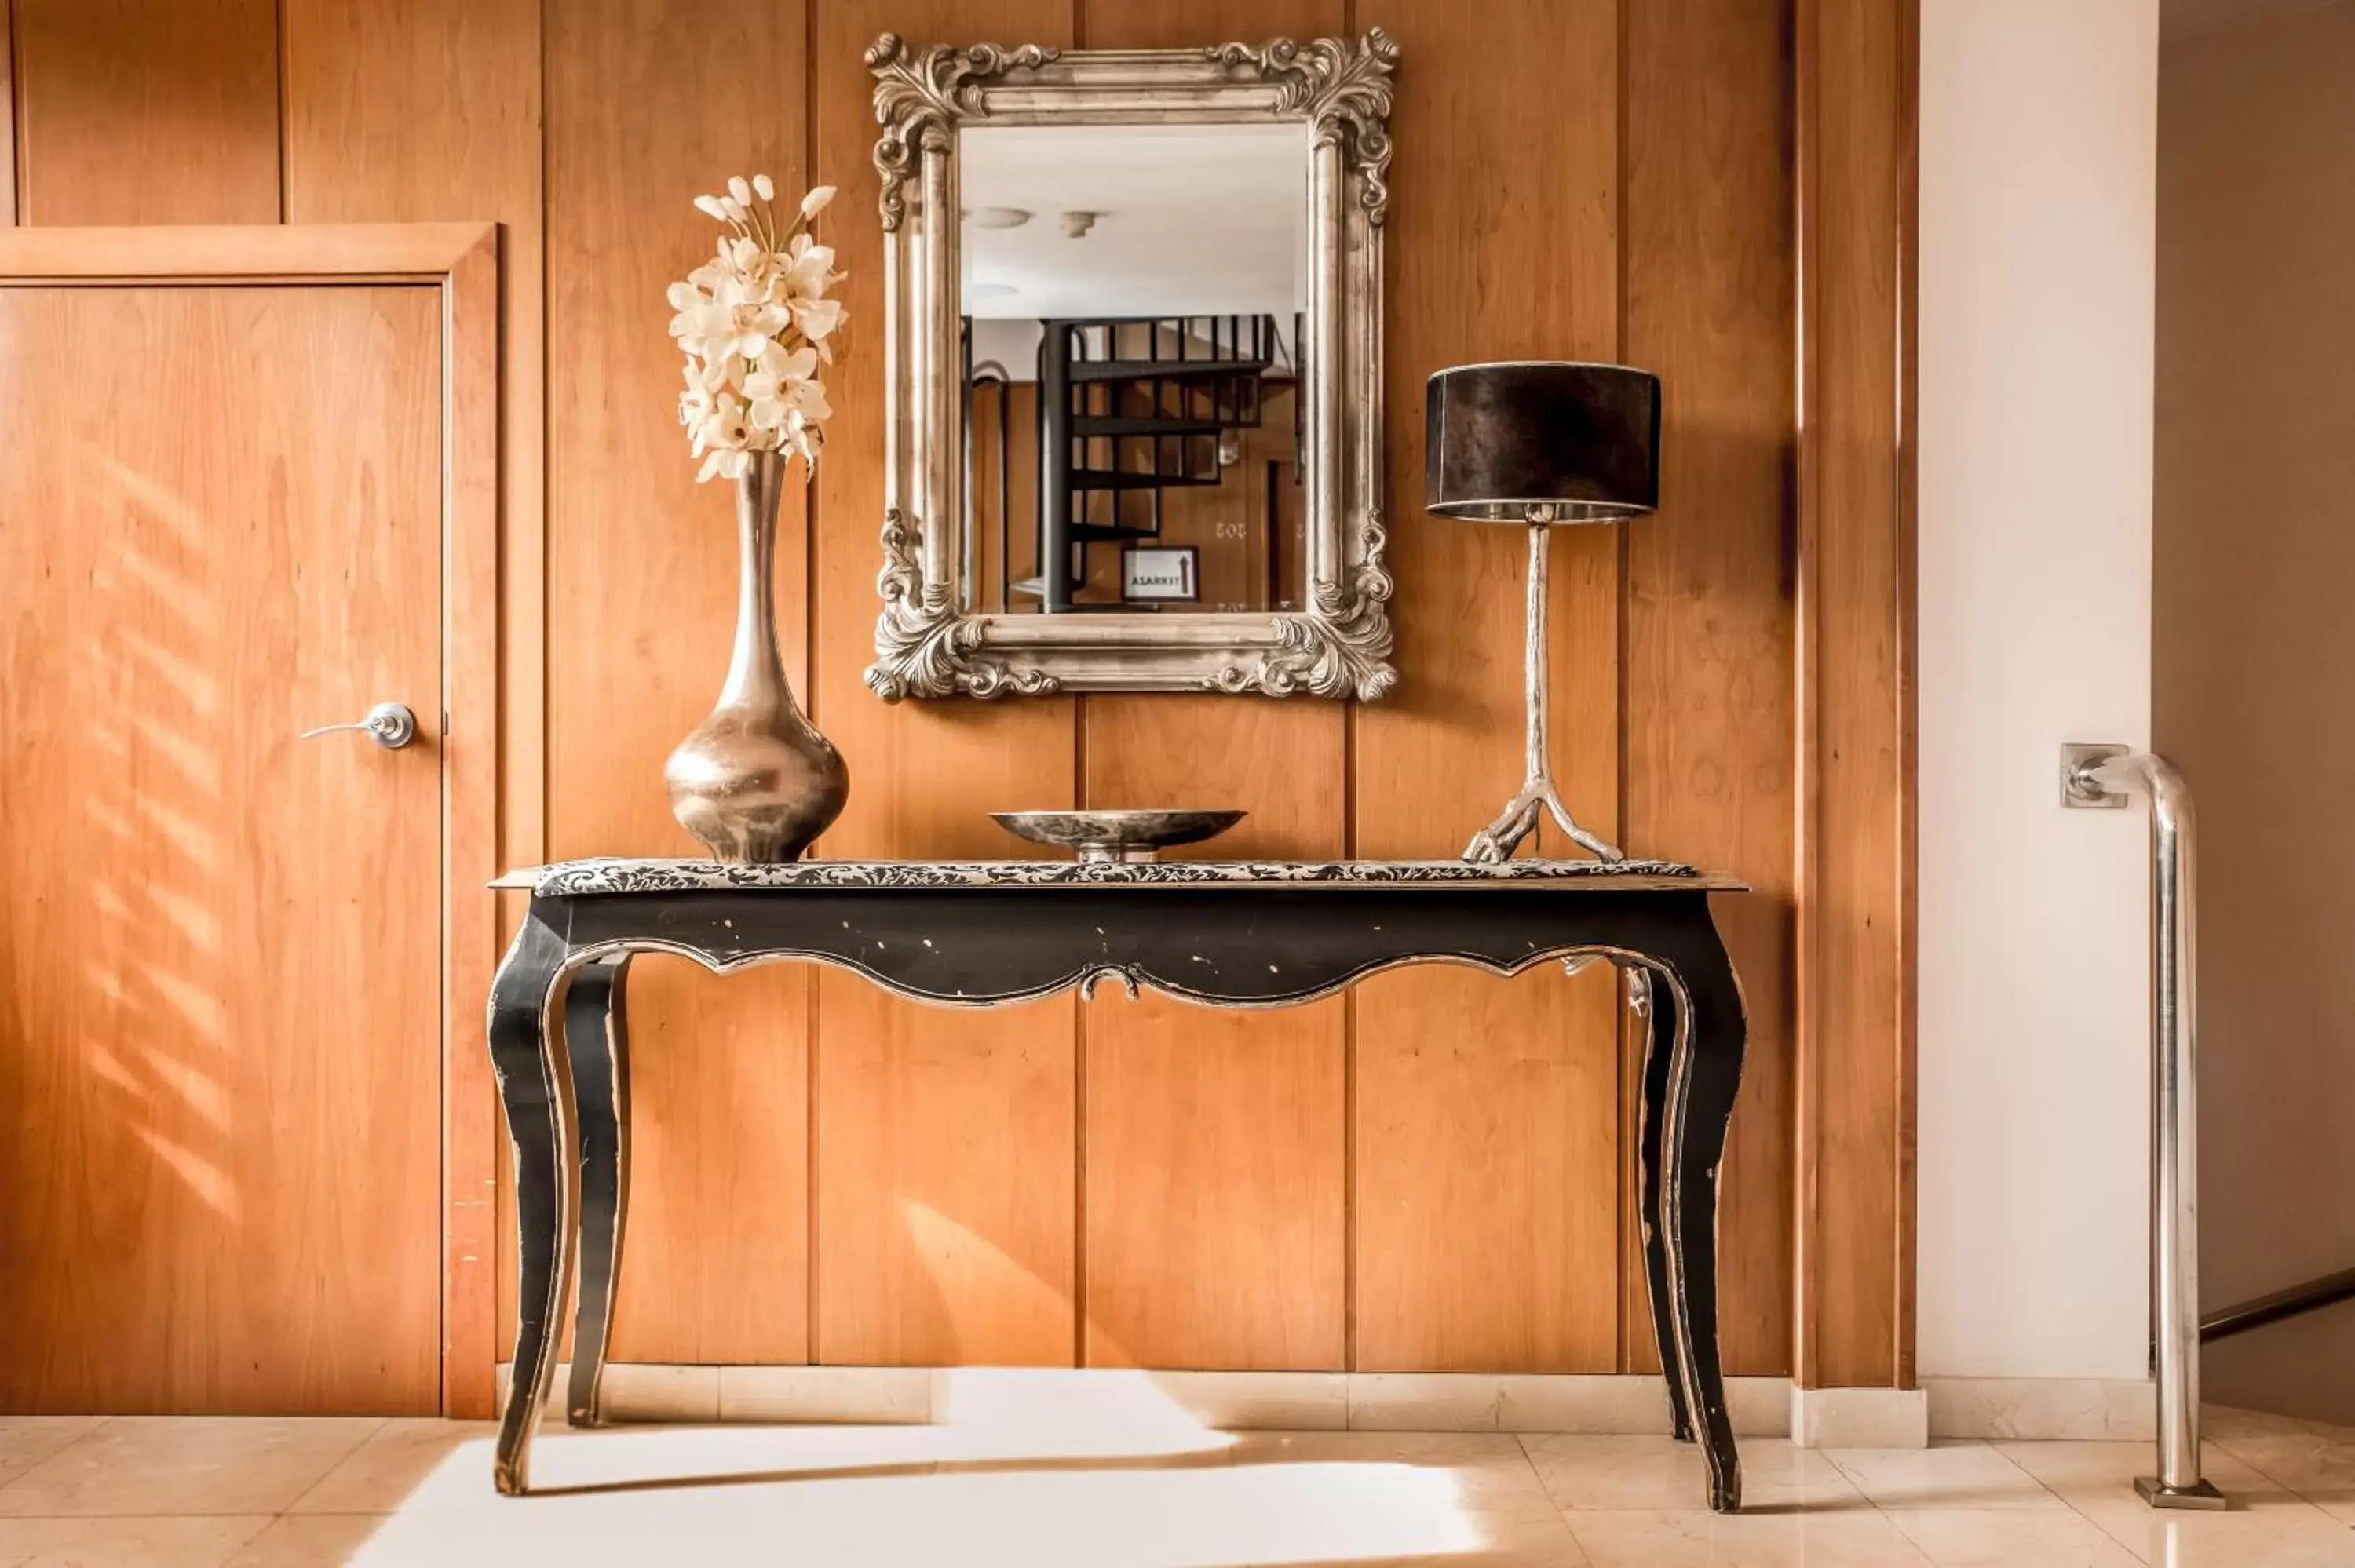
(986, 933)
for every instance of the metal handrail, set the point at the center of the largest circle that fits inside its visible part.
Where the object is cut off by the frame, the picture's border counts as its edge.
(2274, 1306)
(2100, 777)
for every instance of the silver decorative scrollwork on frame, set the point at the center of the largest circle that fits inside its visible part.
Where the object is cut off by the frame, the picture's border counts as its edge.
(928, 642)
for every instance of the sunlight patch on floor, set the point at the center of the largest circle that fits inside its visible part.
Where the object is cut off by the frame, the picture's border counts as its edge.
(809, 1496)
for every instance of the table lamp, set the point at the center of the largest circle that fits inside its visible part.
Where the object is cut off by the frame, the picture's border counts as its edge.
(1541, 443)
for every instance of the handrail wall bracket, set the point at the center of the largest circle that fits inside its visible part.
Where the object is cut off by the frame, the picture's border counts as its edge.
(2098, 778)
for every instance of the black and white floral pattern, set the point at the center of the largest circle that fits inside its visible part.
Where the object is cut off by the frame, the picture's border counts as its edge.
(580, 877)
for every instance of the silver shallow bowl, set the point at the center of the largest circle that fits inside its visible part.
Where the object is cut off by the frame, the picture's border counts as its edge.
(1103, 836)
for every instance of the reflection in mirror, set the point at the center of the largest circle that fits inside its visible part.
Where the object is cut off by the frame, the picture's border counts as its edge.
(1133, 300)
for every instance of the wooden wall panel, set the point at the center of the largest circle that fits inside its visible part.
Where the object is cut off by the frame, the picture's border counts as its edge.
(1430, 1174)
(1854, 1261)
(401, 111)
(914, 1105)
(419, 109)
(148, 110)
(1214, 1144)
(1710, 701)
(7, 114)
(944, 1215)
(649, 106)
(1486, 1139)
(1215, 1141)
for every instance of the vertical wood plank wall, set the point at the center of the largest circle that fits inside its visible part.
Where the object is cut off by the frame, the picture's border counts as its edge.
(1853, 1255)
(1431, 1173)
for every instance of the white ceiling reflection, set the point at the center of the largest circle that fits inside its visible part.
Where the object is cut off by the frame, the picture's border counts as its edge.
(1135, 220)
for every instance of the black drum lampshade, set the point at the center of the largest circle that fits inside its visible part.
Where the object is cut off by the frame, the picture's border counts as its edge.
(1580, 442)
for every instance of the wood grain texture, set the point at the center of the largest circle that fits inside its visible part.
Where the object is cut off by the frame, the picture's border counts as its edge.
(400, 111)
(340, 253)
(1708, 605)
(470, 931)
(419, 112)
(222, 1076)
(894, 1285)
(1215, 1184)
(945, 1140)
(8, 114)
(1216, 1188)
(1485, 1135)
(1854, 1133)
(147, 111)
(1478, 1155)
(641, 568)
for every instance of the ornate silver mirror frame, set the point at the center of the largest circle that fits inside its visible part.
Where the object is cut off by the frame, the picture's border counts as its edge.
(928, 643)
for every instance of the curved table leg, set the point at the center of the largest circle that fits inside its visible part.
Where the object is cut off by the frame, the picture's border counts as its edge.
(1704, 1075)
(596, 1037)
(528, 1058)
(1660, 1014)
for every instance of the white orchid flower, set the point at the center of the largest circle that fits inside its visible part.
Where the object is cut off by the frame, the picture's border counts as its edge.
(752, 325)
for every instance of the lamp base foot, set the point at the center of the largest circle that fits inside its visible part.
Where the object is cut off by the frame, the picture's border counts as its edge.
(2200, 1495)
(1494, 843)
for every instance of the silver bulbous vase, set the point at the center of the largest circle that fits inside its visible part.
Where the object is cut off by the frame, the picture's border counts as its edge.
(756, 782)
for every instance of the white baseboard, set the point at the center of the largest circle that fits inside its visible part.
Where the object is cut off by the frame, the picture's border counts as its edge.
(1944, 1407)
(1239, 1401)
(1859, 1418)
(2043, 1408)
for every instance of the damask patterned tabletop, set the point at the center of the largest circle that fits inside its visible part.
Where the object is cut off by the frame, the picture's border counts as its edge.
(617, 875)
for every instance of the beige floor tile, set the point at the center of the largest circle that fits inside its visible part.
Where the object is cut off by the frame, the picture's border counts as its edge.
(1660, 1474)
(2010, 1538)
(1523, 1541)
(381, 1473)
(2267, 1524)
(2219, 1421)
(684, 1459)
(186, 1465)
(154, 1543)
(1958, 1475)
(1488, 1470)
(2080, 1468)
(1855, 1538)
(2259, 1538)
(27, 1440)
(1062, 1413)
(1129, 1514)
(1507, 1541)
(313, 1540)
(2315, 1461)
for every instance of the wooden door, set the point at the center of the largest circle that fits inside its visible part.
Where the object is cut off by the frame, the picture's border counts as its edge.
(222, 524)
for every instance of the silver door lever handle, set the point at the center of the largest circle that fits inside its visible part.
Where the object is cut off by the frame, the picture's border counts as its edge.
(391, 724)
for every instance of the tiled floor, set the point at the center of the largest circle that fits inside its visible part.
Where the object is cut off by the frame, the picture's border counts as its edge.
(274, 1494)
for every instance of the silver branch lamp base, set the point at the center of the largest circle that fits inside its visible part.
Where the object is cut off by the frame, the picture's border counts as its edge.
(1497, 841)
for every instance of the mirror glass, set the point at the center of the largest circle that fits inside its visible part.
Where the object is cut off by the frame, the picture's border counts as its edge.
(1133, 300)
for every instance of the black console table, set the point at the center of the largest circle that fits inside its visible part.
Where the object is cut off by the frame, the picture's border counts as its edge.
(983, 933)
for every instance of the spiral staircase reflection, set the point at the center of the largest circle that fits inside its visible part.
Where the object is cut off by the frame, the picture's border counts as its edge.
(1130, 408)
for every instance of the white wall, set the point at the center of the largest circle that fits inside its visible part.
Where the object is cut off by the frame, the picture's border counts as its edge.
(2038, 156)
